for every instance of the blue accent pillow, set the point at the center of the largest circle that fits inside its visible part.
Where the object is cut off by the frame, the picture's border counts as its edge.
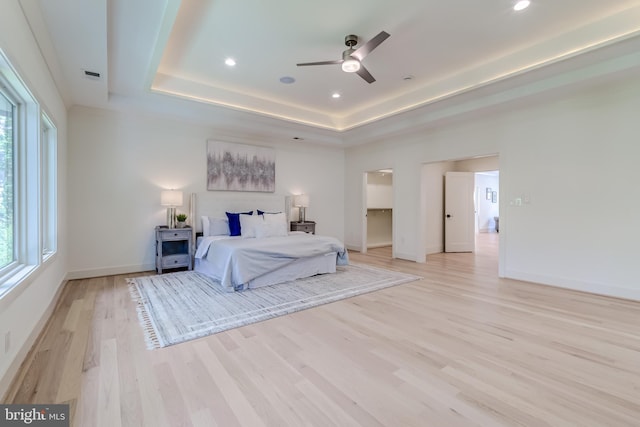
(234, 222)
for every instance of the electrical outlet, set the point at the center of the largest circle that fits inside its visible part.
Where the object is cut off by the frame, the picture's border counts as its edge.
(7, 342)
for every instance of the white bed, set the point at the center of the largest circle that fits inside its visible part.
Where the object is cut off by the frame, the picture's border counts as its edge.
(266, 253)
(239, 263)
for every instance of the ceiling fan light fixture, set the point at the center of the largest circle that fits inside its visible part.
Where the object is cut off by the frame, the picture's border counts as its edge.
(351, 58)
(350, 65)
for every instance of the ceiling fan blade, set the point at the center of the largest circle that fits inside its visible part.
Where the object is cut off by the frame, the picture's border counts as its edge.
(366, 48)
(337, 61)
(365, 74)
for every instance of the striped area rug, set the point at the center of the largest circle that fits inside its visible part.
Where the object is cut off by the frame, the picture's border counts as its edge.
(178, 307)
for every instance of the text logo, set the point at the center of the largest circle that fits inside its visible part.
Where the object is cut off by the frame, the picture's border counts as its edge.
(34, 415)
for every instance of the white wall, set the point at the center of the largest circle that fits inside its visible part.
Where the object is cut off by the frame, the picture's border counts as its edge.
(379, 190)
(24, 315)
(379, 227)
(572, 158)
(482, 164)
(119, 163)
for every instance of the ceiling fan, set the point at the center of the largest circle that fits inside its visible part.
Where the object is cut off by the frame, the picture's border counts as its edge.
(352, 58)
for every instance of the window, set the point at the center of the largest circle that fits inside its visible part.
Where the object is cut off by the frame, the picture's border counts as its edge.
(7, 138)
(28, 187)
(48, 150)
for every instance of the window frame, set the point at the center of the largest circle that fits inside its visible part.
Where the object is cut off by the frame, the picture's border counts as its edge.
(49, 187)
(35, 195)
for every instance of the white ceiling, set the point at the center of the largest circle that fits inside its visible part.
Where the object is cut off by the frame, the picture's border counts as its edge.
(148, 49)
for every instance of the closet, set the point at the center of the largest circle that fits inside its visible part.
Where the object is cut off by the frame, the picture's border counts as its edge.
(379, 208)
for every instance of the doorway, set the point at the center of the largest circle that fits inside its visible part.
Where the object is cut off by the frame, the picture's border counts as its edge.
(487, 186)
(487, 220)
(485, 170)
(378, 233)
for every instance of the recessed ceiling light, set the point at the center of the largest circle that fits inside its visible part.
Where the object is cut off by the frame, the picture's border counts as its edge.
(521, 5)
(287, 80)
(335, 95)
(230, 62)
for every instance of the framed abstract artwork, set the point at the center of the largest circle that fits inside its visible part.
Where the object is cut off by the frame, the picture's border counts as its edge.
(240, 167)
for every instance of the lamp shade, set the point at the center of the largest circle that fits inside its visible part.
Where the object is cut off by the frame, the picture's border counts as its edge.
(171, 198)
(301, 201)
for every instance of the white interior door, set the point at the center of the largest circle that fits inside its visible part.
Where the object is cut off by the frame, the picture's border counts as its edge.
(459, 212)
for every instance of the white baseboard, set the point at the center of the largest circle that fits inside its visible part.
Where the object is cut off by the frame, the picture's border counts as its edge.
(576, 285)
(408, 257)
(110, 271)
(379, 245)
(435, 249)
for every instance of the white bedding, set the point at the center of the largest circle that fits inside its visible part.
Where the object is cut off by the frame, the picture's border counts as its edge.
(236, 261)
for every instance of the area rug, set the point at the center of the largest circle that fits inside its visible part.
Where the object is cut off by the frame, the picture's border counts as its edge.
(178, 307)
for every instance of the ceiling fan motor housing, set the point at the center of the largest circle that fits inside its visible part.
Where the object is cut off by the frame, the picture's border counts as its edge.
(347, 54)
(351, 40)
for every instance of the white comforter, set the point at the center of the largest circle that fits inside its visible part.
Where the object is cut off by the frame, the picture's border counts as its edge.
(238, 261)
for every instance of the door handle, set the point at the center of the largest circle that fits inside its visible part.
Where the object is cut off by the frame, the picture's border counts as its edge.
(448, 215)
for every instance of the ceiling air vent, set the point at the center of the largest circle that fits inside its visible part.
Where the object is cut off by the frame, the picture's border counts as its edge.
(94, 75)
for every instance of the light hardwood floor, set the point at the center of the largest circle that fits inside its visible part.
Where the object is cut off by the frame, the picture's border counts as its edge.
(459, 348)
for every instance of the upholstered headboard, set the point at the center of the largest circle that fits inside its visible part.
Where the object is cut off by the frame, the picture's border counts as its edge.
(215, 204)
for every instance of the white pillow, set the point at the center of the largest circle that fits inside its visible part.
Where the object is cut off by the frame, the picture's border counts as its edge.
(205, 225)
(275, 225)
(215, 226)
(278, 217)
(249, 224)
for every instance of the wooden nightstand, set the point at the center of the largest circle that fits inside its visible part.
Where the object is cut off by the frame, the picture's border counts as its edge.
(307, 226)
(173, 248)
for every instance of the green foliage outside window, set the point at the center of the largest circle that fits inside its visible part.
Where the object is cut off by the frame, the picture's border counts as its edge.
(6, 182)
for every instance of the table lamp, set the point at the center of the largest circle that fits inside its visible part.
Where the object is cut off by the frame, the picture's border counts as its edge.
(301, 201)
(171, 199)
